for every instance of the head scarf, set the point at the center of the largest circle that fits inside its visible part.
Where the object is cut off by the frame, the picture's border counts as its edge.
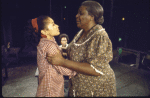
(34, 24)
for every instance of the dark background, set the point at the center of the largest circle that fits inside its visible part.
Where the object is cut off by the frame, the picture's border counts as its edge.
(134, 30)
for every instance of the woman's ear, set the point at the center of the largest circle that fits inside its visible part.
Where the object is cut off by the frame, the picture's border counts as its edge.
(92, 17)
(43, 32)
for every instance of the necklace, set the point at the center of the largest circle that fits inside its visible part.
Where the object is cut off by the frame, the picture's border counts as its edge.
(85, 40)
(87, 31)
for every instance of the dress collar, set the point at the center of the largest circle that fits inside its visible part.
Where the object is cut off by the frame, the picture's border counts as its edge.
(66, 45)
(96, 28)
(88, 36)
(46, 39)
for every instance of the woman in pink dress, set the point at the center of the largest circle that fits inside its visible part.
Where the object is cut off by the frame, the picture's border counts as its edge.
(51, 81)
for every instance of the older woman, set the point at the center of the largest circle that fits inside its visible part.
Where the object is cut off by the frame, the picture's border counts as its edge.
(89, 55)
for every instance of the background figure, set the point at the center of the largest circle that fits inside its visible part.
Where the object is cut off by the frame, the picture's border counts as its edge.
(63, 40)
(8, 45)
(4, 54)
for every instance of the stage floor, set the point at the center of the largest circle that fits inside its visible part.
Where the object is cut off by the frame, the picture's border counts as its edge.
(22, 82)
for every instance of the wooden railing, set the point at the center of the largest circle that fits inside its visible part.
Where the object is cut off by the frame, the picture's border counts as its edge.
(6, 60)
(15, 51)
(126, 51)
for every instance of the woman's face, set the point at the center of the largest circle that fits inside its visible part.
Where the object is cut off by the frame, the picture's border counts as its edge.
(63, 40)
(82, 18)
(52, 28)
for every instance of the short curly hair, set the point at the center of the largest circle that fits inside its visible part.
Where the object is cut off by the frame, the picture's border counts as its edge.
(63, 35)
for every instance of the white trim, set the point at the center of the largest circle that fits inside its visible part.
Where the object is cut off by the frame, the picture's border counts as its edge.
(37, 72)
(74, 94)
(92, 93)
(86, 40)
(97, 70)
(61, 45)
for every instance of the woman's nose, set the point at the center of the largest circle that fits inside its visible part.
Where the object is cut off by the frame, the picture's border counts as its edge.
(57, 25)
(77, 15)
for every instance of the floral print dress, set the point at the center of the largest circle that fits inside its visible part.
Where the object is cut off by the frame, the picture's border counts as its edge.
(96, 49)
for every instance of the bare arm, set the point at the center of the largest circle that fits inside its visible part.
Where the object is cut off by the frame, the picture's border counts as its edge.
(83, 68)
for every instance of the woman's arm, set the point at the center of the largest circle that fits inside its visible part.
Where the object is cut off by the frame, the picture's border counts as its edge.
(83, 68)
(99, 54)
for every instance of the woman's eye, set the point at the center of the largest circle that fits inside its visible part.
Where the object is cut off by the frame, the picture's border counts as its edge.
(81, 13)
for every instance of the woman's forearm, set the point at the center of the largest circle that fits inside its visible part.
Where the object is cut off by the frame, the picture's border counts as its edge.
(83, 68)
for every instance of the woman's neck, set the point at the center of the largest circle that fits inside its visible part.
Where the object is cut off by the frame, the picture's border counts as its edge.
(48, 37)
(63, 45)
(43, 36)
(88, 28)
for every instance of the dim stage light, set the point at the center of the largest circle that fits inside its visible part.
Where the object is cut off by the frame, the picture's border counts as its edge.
(123, 19)
(120, 39)
(120, 51)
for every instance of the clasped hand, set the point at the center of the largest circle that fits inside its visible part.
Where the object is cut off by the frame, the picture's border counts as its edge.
(55, 60)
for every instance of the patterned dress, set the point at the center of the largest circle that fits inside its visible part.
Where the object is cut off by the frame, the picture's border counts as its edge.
(96, 49)
(51, 81)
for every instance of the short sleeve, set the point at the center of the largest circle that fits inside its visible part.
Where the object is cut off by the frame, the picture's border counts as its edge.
(99, 53)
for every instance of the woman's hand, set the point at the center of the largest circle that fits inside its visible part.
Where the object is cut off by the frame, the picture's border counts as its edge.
(55, 60)
(63, 47)
(64, 54)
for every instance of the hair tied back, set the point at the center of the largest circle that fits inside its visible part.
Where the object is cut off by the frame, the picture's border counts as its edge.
(34, 24)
